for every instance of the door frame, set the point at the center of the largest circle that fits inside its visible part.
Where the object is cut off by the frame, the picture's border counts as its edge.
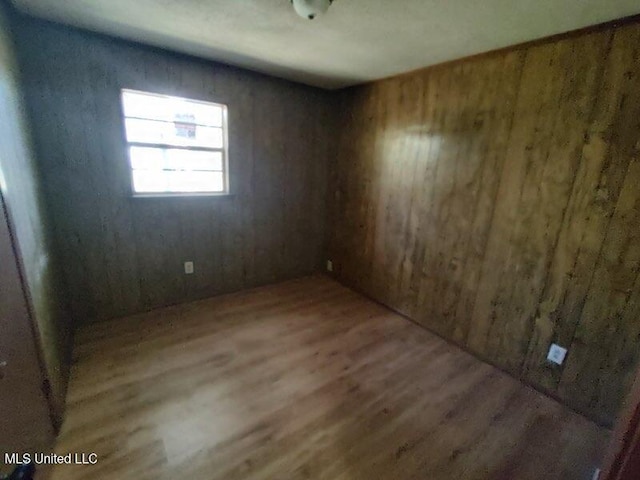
(623, 458)
(54, 415)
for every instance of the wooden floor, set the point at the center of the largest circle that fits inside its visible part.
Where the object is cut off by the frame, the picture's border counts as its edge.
(305, 380)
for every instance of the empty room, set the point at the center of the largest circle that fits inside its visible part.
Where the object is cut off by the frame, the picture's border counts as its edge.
(319, 239)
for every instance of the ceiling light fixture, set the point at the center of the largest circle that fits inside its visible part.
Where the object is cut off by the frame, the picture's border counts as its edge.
(310, 9)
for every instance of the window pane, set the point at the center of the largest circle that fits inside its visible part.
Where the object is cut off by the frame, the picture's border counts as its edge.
(193, 160)
(170, 181)
(173, 133)
(148, 158)
(197, 112)
(181, 181)
(145, 106)
(170, 109)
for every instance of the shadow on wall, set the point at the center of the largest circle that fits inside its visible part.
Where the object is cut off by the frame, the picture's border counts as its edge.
(31, 229)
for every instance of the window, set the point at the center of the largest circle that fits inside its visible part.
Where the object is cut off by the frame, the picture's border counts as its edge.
(176, 146)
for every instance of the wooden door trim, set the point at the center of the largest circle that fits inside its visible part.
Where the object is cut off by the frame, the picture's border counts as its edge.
(56, 419)
(623, 459)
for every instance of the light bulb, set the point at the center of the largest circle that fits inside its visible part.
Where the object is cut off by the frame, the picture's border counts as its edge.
(311, 8)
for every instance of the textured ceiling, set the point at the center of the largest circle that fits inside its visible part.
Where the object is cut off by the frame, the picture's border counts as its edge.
(357, 41)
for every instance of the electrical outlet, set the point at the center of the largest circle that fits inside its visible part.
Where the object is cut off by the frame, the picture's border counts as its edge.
(188, 268)
(556, 354)
(329, 266)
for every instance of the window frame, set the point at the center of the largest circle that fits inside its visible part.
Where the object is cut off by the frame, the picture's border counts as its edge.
(226, 192)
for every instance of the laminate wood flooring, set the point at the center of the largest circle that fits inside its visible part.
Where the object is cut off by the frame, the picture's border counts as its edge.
(305, 380)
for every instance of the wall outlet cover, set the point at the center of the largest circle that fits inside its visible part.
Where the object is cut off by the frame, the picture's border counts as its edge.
(557, 354)
(188, 268)
(329, 266)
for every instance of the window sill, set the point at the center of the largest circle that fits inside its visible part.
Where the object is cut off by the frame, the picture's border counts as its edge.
(182, 195)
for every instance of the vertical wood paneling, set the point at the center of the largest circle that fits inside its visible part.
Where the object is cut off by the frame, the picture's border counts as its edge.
(495, 201)
(496, 119)
(124, 255)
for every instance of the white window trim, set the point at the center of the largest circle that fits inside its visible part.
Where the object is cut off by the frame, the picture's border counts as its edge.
(225, 150)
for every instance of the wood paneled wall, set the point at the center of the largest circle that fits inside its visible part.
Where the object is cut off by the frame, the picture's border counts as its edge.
(124, 254)
(497, 202)
(28, 217)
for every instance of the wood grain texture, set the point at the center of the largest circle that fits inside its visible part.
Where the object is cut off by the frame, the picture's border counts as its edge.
(30, 226)
(305, 379)
(497, 202)
(125, 255)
